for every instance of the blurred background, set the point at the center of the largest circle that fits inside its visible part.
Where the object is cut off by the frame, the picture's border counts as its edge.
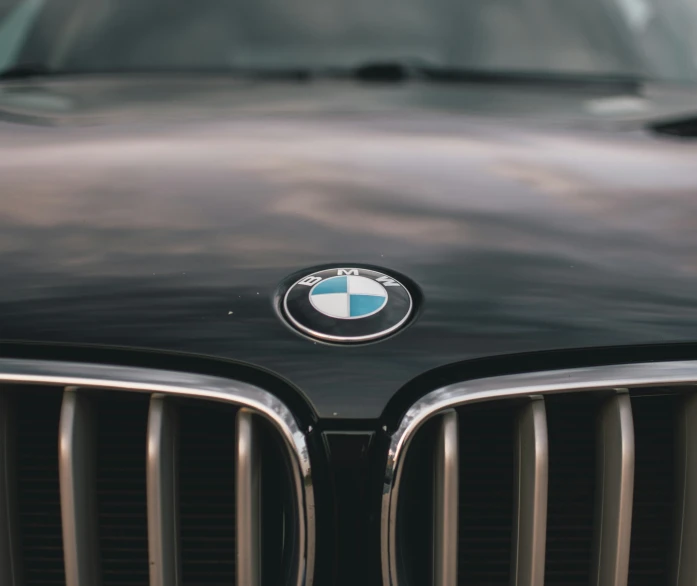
(654, 39)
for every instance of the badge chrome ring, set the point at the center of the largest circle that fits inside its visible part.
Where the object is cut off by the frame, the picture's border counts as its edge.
(347, 305)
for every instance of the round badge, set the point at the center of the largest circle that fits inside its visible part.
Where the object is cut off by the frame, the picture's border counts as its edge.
(347, 305)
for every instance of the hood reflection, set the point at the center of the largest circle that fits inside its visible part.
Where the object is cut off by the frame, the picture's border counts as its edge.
(520, 238)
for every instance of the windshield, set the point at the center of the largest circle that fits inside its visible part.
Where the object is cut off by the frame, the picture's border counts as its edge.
(654, 39)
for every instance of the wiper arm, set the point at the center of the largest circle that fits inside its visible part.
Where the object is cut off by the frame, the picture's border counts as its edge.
(684, 127)
(408, 69)
(541, 78)
(25, 71)
(378, 71)
(29, 70)
(389, 71)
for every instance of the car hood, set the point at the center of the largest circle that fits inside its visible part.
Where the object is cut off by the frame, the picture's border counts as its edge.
(164, 215)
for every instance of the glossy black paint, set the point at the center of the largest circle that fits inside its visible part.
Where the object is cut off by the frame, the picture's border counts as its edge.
(355, 480)
(164, 213)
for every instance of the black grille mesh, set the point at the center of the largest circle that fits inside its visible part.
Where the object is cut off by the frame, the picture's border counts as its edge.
(206, 488)
(121, 497)
(207, 493)
(571, 421)
(486, 501)
(415, 508)
(487, 491)
(654, 489)
(38, 413)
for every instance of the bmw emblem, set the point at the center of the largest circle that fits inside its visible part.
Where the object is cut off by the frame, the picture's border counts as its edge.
(347, 305)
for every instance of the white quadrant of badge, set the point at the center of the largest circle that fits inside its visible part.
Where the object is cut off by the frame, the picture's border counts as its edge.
(348, 297)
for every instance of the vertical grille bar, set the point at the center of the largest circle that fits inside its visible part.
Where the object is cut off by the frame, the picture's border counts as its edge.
(446, 495)
(530, 517)
(10, 559)
(248, 493)
(614, 493)
(685, 562)
(162, 493)
(78, 497)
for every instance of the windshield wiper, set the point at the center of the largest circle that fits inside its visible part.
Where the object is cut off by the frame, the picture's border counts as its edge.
(685, 127)
(626, 82)
(378, 71)
(28, 70)
(405, 70)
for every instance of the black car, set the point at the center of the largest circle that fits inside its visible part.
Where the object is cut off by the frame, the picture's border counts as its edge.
(321, 292)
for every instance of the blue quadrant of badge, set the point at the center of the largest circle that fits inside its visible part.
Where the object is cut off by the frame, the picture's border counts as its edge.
(364, 304)
(348, 297)
(333, 285)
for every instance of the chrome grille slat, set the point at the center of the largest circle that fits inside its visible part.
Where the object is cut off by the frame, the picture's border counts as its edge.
(615, 490)
(446, 502)
(162, 493)
(76, 469)
(10, 559)
(247, 475)
(530, 514)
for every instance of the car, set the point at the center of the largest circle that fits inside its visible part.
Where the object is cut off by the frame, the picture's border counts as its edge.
(338, 293)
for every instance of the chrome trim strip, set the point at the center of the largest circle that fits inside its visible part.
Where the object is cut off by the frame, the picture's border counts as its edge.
(196, 386)
(248, 495)
(530, 515)
(614, 492)
(684, 570)
(78, 491)
(519, 385)
(163, 493)
(445, 505)
(10, 558)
